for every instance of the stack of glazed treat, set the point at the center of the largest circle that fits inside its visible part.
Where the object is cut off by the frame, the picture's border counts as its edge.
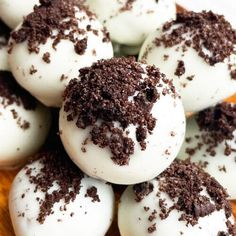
(121, 122)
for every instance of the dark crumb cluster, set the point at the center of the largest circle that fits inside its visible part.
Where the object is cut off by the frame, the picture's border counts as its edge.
(184, 182)
(128, 5)
(217, 125)
(49, 17)
(57, 168)
(210, 35)
(12, 93)
(116, 90)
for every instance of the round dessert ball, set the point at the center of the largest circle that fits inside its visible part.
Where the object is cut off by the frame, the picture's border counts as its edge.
(24, 123)
(13, 11)
(183, 200)
(116, 122)
(52, 43)
(51, 196)
(129, 22)
(197, 51)
(211, 143)
(4, 35)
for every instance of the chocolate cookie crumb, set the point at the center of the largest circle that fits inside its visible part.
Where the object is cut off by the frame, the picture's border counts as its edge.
(152, 228)
(46, 57)
(92, 193)
(56, 168)
(117, 92)
(142, 190)
(13, 93)
(217, 124)
(183, 183)
(128, 5)
(80, 46)
(180, 70)
(209, 34)
(54, 19)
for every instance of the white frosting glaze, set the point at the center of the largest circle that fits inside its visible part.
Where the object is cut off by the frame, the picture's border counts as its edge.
(89, 218)
(46, 84)
(162, 145)
(13, 11)
(210, 84)
(130, 27)
(216, 164)
(18, 144)
(133, 219)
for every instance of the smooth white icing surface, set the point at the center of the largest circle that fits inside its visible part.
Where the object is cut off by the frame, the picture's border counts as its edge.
(18, 144)
(133, 219)
(162, 145)
(130, 27)
(46, 84)
(13, 11)
(210, 84)
(89, 218)
(220, 166)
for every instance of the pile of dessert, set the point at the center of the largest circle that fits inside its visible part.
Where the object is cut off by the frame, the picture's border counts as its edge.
(122, 118)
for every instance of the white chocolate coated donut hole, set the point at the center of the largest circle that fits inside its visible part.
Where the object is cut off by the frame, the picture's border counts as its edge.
(85, 215)
(12, 12)
(201, 85)
(46, 73)
(129, 23)
(150, 216)
(162, 144)
(217, 161)
(23, 130)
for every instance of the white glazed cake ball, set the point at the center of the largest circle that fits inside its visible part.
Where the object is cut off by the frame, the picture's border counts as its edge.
(13, 11)
(198, 52)
(52, 43)
(211, 143)
(129, 22)
(24, 123)
(116, 122)
(182, 201)
(52, 196)
(4, 35)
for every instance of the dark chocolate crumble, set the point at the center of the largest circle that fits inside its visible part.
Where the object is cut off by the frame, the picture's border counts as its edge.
(116, 90)
(217, 125)
(57, 168)
(209, 34)
(54, 16)
(12, 93)
(184, 182)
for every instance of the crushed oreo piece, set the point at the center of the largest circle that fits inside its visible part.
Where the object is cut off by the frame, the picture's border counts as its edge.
(12, 93)
(56, 168)
(55, 19)
(180, 70)
(217, 125)
(118, 92)
(142, 190)
(92, 193)
(184, 182)
(128, 5)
